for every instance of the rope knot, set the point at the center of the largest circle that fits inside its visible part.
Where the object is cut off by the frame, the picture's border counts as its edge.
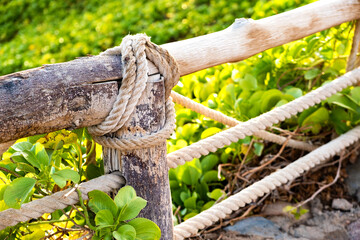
(134, 51)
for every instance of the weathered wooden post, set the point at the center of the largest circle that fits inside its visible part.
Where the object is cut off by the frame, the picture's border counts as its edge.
(146, 169)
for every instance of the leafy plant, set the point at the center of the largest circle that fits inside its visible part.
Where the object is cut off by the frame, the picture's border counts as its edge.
(116, 218)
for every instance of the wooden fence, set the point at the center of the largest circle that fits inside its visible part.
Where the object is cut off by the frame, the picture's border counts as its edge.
(80, 93)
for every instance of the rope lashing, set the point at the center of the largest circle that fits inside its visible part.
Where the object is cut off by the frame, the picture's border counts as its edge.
(254, 125)
(267, 184)
(231, 122)
(134, 51)
(59, 200)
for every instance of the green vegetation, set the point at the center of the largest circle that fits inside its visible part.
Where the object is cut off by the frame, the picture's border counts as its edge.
(43, 32)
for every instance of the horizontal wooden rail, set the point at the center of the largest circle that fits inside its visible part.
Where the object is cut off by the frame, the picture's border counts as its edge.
(80, 93)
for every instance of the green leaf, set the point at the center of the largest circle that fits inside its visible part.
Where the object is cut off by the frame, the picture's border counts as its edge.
(339, 117)
(190, 175)
(30, 157)
(269, 99)
(17, 192)
(210, 176)
(209, 132)
(295, 92)
(216, 194)
(327, 54)
(61, 177)
(104, 218)
(258, 148)
(145, 229)
(312, 73)
(99, 200)
(190, 203)
(355, 95)
(132, 209)
(41, 155)
(209, 162)
(25, 167)
(21, 146)
(124, 196)
(207, 205)
(342, 101)
(316, 119)
(249, 82)
(125, 232)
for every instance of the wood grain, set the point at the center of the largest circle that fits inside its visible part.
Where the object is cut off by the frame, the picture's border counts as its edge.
(81, 92)
(146, 169)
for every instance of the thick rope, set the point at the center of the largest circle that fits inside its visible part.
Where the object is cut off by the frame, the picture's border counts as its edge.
(248, 128)
(222, 118)
(59, 200)
(134, 50)
(267, 184)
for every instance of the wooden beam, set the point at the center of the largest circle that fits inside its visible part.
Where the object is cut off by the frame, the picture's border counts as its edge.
(246, 37)
(81, 92)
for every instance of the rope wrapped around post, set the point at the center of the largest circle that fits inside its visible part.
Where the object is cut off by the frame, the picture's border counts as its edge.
(134, 50)
(59, 200)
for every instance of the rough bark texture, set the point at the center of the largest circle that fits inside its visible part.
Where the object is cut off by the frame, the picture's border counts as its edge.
(78, 93)
(146, 169)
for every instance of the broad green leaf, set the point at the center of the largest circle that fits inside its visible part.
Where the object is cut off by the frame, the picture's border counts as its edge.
(210, 176)
(209, 132)
(355, 95)
(132, 209)
(25, 167)
(209, 162)
(104, 218)
(99, 200)
(207, 205)
(249, 82)
(124, 196)
(295, 92)
(16, 193)
(125, 232)
(21, 146)
(316, 119)
(305, 114)
(190, 175)
(190, 203)
(342, 101)
(41, 155)
(269, 99)
(145, 229)
(216, 194)
(30, 157)
(62, 176)
(312, 73)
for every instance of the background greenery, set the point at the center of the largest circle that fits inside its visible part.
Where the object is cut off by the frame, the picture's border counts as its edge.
(36, 32)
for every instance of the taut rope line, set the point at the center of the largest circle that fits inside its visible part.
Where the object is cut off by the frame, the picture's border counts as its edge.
(250, 127)
(265, 185)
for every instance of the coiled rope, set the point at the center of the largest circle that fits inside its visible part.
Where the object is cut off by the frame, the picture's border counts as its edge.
(134, 50)
(254, 125)
(267, 184)
(59, 200)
